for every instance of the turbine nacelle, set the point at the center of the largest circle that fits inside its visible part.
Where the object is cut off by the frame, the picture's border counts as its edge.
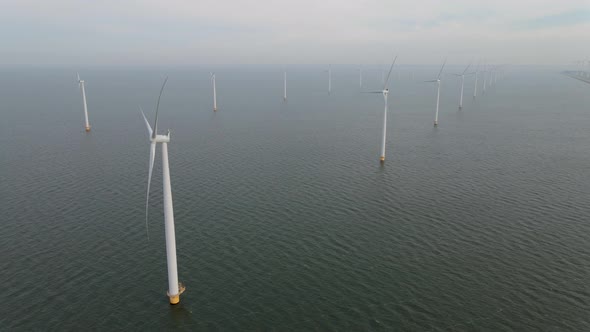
(161, 138)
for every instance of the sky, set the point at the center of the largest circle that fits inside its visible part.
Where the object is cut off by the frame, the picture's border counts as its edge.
(201, 32)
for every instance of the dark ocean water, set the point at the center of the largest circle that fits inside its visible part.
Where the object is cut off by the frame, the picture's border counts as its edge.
(285, 219)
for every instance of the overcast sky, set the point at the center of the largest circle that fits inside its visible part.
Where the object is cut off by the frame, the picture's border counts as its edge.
(88, 32)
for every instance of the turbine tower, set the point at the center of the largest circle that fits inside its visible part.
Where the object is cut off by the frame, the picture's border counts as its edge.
(285, 86)
(214, 92)
(475, 87)
(462, 75)
(174, 287)
(329, 79)
(496, 75)
(385, 92)
(437, 80)
(81, 86)
(485, 78)
(361, 76)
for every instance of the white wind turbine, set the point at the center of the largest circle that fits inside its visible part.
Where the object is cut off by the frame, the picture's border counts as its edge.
(385, 92)
(214, 92)
(285, 86)
(81, 86)
(485, 78)
(462, 75)
(495, 75)
(475, 87)
(329, 79)
(437, 80)
(361, 76)
(174, 287)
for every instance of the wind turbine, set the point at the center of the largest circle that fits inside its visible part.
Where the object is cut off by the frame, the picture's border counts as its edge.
(329, 79)
(462, 75)
(385, 92)
(361, 76)
(437, 80)
(174, 287)
(81, 86)
(475, 87)
(214, 92)
(285, 86)
(485, 79)
(496, 75)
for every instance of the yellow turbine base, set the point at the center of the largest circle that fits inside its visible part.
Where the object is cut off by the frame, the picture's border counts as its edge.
(87, 129)
(175, 299)
(382, 159)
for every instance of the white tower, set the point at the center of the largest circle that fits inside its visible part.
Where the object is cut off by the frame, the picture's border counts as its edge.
(361, 77)
(385, 93)
(437, 80)
(174, 287)
(214, 92)
(329, 79)
(285, 86)
(81, 85)
(475, 87)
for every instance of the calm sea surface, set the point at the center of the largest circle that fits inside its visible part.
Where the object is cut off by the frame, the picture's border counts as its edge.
(285, 219)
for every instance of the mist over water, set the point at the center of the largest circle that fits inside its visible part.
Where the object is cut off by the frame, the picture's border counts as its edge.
(284, 217)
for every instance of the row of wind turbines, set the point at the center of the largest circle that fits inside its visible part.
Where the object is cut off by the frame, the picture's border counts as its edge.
(493, 76)
(175, 288)
(583, 68)
(581, 71)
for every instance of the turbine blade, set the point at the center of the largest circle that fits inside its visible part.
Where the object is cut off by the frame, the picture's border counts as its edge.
(147, 124)
(147, 198)
(372, 92)
(469, 65)
(432, 81)
(386, 83)
(154, 133)
(441, 68)
(78, 76)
